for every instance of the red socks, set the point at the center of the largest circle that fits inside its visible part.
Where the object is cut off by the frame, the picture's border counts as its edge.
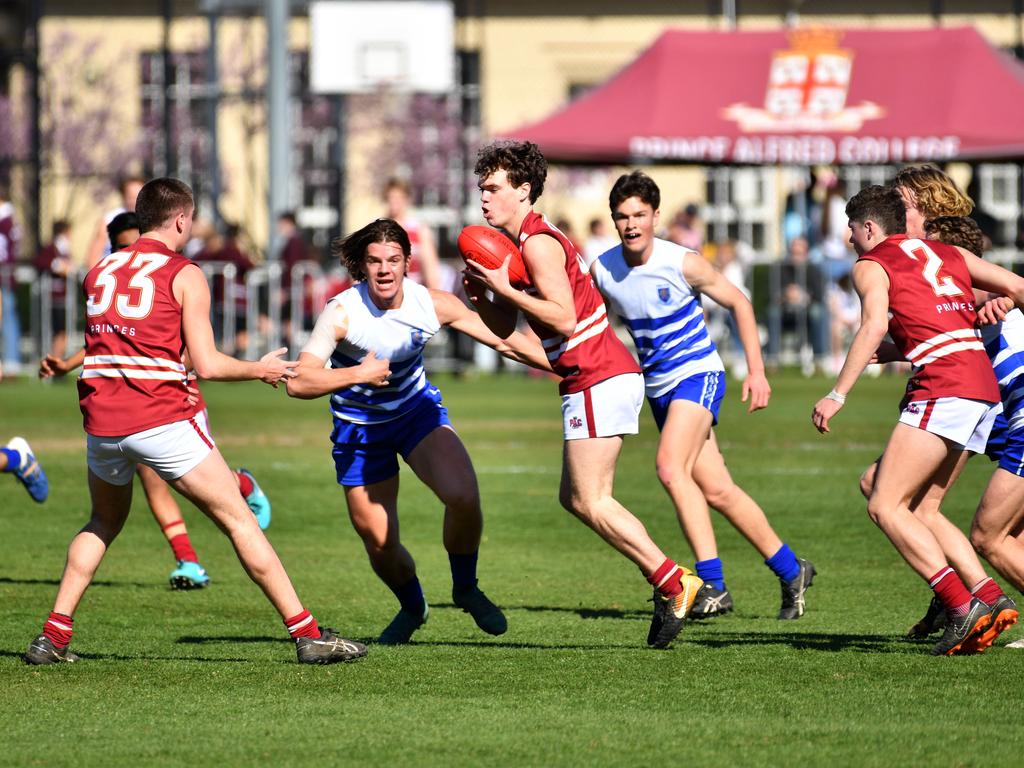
(951, 591)
(302, 625)
(183, 548)
(245, 485)
(666, 579)
(58, 629)
(987, 591)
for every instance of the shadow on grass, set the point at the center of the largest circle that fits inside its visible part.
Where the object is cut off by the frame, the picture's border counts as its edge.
(583, 613)
(96, 583)
(811, 641)
(87, 657)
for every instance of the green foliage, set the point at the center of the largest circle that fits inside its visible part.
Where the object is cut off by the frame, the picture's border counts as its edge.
(209, 677)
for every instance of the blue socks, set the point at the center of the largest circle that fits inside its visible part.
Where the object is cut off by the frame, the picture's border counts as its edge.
(463, 569)
(410, 596)
(784, 563)
(711, 572)
(13, 459)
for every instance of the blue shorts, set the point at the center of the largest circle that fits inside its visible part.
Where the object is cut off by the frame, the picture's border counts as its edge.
(368, 453)
(706, 389)
(1006, 447)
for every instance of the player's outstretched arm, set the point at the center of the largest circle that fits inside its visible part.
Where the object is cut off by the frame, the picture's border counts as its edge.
(193, 293)
(708, 280)
(51, 365)
(872, 286)
(991, 277)
(517, 346)
(313, 380)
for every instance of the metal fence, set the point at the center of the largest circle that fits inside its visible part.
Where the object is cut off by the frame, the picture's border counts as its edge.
(250, 315)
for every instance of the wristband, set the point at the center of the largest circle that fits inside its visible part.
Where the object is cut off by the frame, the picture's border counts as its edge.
(833, 395)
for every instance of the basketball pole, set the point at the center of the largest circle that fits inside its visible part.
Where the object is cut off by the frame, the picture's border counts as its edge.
(279, 178)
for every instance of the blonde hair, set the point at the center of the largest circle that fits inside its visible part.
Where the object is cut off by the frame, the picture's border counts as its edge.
(934, 192)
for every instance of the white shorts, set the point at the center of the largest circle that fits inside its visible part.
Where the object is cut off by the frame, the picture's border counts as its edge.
(170, 449)
(964, 422)
(609, 408)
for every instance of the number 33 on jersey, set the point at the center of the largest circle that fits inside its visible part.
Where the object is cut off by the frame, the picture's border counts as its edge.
(133, 377)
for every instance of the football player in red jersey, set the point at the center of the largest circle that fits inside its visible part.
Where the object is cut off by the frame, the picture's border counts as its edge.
(144, 306)
(920, 292)
(123, 231)
(927, 192)
(602, 389)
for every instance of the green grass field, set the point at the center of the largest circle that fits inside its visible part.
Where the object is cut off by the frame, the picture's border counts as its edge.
(209, 677)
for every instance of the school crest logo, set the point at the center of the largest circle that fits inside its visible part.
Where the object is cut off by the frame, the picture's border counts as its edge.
(417, 337)
(664, 294)
(807, 88)
(575, 423)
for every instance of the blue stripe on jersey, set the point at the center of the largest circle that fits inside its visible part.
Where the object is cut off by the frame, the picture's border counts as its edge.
(364, 404)
(1009, 369)
(654, 323)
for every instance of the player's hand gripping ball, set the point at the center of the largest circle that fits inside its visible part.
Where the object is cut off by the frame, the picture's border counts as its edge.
(489, 248)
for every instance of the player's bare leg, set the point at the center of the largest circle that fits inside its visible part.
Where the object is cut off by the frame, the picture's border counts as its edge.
(723, 495)
(998, 527)
(746, 516)
(955, 545)
(588, 475)
(911, 459)
(188, 574)
(110, 507)
(953, 541)
(684, 434)
(211, 487)
(442, 463)
(373, 510)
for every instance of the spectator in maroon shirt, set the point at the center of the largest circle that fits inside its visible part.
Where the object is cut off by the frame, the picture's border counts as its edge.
(55, 261)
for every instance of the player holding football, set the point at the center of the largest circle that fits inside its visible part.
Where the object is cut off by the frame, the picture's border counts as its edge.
(920, 292)
(389, 314)
(123, 231)
(655, 286)
(601, 388)
(144, 306)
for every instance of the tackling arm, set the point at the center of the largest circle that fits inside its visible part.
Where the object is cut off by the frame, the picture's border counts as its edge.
(313, 380)
(193, 293)
(516, 346)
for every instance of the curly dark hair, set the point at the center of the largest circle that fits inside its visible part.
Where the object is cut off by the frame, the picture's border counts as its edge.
(956, 230)
(521, 160)
(352, 249)
(161, 199)
(636, 184)
(882, 205)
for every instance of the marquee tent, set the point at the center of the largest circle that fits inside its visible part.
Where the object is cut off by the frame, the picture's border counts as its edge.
(798, 96)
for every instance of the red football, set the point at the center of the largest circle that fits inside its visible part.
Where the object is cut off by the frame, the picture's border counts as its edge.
(489, 248)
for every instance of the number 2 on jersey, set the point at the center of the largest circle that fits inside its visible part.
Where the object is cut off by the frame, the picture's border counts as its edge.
(943, 285)
(141, 283)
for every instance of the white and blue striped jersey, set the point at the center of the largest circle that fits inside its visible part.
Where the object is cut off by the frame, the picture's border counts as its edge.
(662, 312)
(1004, 343)
(396, 334)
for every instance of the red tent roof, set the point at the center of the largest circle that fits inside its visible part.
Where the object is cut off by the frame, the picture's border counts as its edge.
(801, 96)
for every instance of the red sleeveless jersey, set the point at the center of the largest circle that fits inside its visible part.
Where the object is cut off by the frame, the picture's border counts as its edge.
(933, 320)
(133, 378)
(592, 353)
